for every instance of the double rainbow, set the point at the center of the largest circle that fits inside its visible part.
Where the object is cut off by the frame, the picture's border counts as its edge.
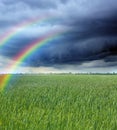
(26, 52)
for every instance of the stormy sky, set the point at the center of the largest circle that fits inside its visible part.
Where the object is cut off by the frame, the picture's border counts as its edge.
(89, 43)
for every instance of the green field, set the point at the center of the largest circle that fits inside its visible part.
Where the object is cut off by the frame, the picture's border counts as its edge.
(60, 102)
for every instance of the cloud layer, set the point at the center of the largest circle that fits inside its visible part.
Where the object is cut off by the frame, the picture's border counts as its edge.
(91, 32)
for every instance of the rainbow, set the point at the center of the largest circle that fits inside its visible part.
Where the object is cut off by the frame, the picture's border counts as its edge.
(14, 31)
(26, 52)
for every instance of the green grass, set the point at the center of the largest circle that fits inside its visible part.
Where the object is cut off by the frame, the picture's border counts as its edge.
(60, 102)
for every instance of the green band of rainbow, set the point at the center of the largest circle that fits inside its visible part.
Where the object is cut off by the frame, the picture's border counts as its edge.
(11, 33)
(26, 52)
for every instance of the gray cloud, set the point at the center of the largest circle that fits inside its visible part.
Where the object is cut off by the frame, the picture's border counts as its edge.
(91, 31)
(35, 3)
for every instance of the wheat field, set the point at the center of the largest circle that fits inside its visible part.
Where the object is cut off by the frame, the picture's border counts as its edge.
(59, 102)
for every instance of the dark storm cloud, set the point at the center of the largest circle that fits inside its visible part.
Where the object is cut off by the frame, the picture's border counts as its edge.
(96, 40)
(92, 31)
(69, 10)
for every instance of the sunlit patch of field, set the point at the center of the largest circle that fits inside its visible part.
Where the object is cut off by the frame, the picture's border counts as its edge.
(60, 102)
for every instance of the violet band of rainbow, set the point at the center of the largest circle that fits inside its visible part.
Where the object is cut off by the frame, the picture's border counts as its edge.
(26, 52)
